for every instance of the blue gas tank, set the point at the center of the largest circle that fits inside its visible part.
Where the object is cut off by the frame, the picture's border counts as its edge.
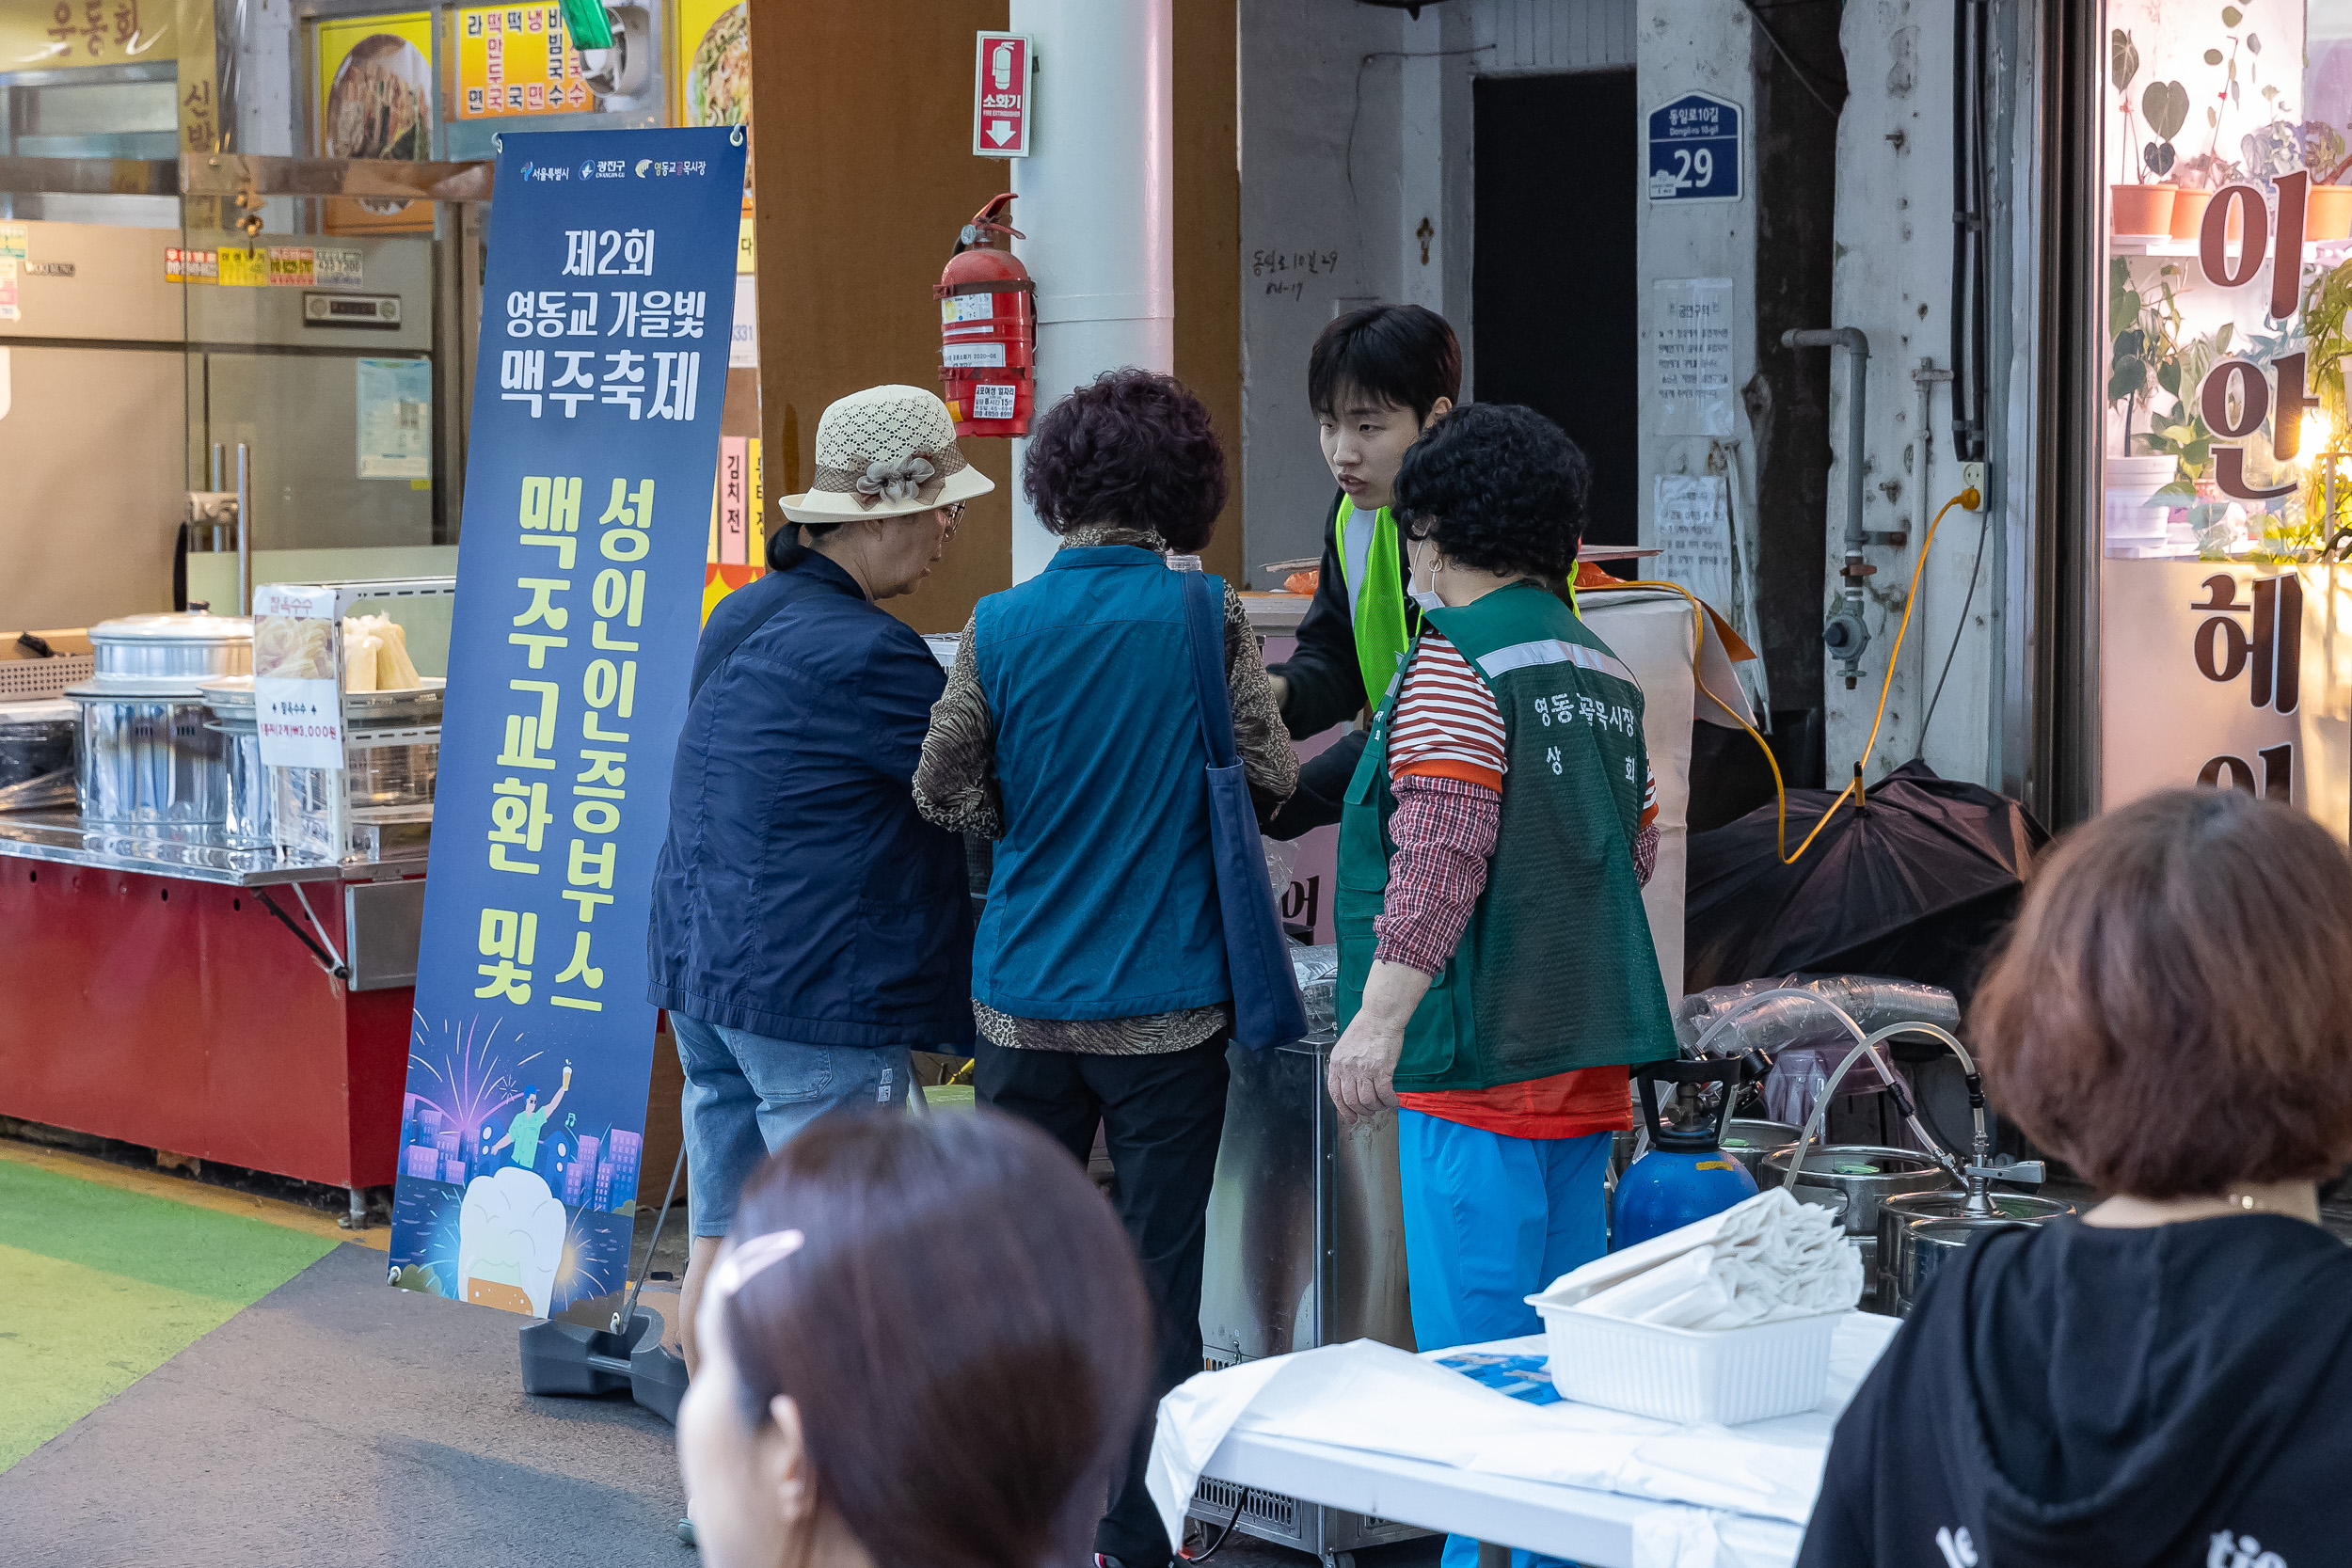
(1686, 1176)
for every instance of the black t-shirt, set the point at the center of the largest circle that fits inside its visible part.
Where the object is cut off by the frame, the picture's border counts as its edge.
(2075, 1396)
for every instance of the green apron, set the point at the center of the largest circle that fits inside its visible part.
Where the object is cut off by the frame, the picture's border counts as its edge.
(1556, 970)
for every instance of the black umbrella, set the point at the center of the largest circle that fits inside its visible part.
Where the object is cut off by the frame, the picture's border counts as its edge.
(1914, 883)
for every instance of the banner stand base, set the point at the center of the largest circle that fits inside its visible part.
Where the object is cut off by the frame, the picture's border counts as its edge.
(573, 1359)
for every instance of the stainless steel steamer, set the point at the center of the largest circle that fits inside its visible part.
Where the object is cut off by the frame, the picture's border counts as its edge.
(148, 756)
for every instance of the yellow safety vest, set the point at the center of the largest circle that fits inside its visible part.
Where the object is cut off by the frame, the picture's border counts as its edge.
(1372, 571)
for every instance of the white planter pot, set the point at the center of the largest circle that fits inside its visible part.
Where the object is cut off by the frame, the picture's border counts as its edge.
(2127, 483)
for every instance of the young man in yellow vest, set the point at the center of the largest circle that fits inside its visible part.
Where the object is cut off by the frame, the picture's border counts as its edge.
(1376, 378)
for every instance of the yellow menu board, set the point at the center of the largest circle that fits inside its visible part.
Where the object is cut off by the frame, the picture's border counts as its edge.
(374, 85)
(515, 60)
(57, 34)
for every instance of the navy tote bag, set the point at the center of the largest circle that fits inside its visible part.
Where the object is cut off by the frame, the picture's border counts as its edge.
(1267, 1010)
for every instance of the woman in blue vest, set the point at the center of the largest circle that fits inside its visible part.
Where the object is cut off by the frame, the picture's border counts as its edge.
(1070, 736)
(808, 928)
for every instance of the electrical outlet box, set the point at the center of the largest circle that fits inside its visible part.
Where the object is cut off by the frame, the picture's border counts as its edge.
(1973, 477)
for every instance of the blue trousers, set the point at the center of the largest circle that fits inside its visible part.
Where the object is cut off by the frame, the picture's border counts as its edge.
(1491, 1220)
(746, 1095)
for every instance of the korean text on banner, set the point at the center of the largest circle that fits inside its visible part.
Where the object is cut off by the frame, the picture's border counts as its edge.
(588, 495)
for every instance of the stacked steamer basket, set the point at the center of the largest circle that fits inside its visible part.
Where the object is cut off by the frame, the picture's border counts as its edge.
(147, 758)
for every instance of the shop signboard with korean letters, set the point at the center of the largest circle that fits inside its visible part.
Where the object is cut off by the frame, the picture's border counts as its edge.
(2225, 648)
(595, 432)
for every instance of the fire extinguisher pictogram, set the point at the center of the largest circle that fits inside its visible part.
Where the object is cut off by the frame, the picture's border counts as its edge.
(988, 330)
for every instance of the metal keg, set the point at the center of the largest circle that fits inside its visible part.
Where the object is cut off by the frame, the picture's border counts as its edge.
(1866, 1173)
(1918, 1231)
(1749, 1141)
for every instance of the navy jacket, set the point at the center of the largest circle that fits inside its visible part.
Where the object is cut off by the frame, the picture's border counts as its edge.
(798, 894)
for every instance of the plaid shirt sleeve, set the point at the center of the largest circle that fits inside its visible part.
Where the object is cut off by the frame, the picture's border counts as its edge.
(1444, 830)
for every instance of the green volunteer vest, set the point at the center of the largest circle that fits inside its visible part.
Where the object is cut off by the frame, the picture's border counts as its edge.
(1556, 970)
(1373, 576)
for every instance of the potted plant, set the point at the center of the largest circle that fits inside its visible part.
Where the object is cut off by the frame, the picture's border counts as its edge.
(2139, 207)
(2142, 359)
(2213, 522)
(2196, 177)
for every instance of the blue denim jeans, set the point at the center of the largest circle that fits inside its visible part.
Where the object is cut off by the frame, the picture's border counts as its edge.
(746, 1095)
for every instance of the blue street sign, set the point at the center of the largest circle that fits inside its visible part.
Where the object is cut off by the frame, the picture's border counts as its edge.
(1695, 152)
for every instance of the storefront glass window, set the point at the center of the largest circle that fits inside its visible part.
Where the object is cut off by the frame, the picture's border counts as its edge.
(2227, 138)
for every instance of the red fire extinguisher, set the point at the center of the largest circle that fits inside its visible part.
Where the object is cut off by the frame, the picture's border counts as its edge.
(988, 330)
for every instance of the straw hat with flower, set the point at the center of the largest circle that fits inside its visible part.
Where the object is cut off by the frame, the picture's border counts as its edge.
(883, 452)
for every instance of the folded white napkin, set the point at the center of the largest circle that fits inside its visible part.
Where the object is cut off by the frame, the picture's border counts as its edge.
(1760, 1261)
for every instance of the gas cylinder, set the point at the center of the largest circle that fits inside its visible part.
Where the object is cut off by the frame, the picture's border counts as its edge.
(1685, 1176)
(988, 330)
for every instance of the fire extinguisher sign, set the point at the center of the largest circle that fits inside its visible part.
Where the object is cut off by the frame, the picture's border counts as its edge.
(1002, 108)
(1695, 150)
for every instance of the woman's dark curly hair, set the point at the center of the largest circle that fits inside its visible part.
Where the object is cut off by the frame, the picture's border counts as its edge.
(1132, 448)
(1498, 488)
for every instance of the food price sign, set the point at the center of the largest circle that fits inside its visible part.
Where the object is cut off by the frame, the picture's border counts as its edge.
(1694, 150)
(1002, 103)
(297, 682)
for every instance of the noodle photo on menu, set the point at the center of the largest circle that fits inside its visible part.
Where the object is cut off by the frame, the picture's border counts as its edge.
(376, 108)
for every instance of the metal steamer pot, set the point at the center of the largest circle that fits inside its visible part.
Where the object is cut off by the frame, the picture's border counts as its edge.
(1749, 1141)
(148, 757)
(1920, 1232)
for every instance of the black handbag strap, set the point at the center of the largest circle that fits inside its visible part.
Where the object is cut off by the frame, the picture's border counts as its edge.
(1202, 629)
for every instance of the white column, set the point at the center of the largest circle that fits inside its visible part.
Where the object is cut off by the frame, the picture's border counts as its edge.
(1097, 203)
(1421, 166)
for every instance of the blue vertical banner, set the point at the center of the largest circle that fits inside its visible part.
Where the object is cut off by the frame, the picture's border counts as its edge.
(597, 392)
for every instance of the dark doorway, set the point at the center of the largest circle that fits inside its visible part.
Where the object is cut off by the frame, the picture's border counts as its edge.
(1555, 321)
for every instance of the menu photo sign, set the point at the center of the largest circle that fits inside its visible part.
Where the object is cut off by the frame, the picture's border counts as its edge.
(297, 676)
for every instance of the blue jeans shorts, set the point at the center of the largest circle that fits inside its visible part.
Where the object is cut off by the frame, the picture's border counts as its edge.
(747, 1094)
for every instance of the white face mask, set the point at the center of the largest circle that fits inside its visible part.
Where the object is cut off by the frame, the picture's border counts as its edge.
(1418, 554)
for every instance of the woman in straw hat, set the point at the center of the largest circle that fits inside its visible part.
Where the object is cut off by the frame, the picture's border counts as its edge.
(808, 927)
(1071, 735)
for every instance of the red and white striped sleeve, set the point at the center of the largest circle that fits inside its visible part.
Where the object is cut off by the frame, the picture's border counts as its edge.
(1447, 724)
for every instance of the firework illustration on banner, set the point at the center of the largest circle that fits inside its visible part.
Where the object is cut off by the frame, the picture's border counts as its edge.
(518, 1178)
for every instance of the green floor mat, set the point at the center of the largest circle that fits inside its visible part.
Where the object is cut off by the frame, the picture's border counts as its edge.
(98, 1287)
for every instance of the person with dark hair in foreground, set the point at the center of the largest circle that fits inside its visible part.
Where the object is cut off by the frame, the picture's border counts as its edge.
(1070, 733)
(2164, 1381)
(1376, 379)
(923, 1347)
(1498, 832)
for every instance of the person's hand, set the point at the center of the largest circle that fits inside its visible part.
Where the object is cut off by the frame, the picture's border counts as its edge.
(1362, 1074)
(1281, 688)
